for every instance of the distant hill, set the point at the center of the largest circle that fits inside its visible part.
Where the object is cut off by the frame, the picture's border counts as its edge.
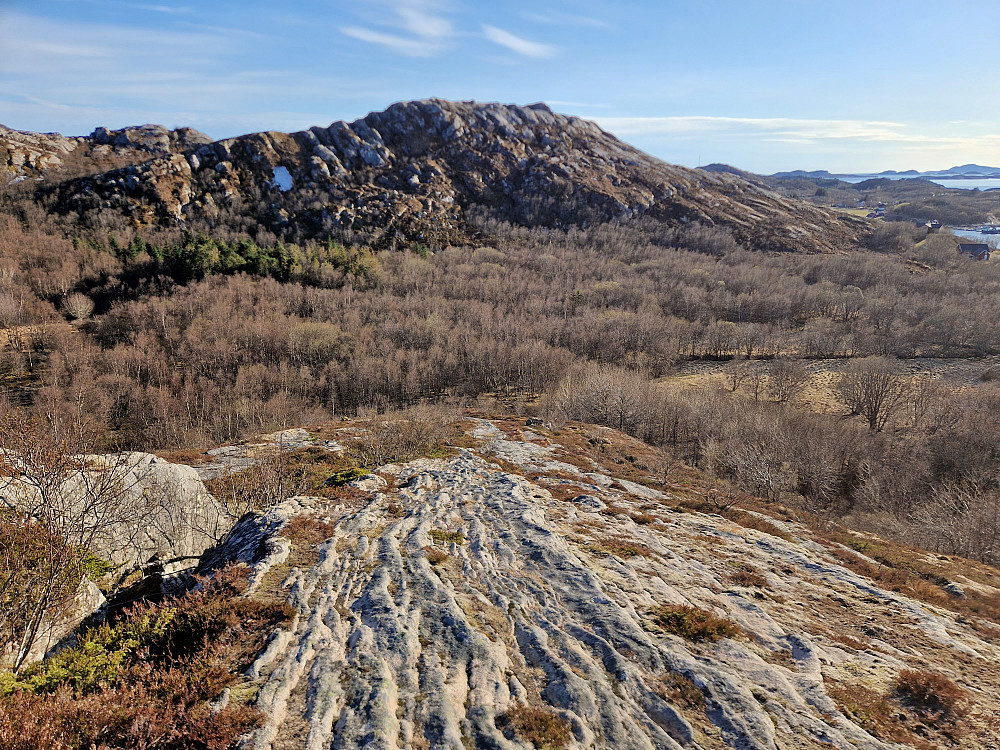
(417, 172)
(957, 173)
(728, 169)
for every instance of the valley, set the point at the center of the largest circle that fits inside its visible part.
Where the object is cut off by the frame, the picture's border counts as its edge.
(470, 425)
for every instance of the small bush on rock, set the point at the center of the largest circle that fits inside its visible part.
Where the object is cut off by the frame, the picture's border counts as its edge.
(306, 529)
(694, 624)
(933, 695)
(544, 729)
(345, 476)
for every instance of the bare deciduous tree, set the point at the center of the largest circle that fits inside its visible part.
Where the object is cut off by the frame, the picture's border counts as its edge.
(78, 306)
(786, 378)
(57, 505)
(873, 388)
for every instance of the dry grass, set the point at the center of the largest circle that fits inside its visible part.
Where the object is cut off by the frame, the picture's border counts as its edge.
(619, 547)
(544, 729)
(904, 570)
(848, 640)
(934, 697)
(748, 576)
(923, 712)
(694, 624)
(435, 556)
(307, 529)
(679, 690)
(755, 522)
(874, 712)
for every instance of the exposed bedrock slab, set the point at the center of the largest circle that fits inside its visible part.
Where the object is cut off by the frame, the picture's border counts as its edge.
(459, 590)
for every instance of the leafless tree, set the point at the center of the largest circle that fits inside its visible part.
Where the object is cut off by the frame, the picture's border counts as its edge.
(78, 306)
(59, 506)
(873, 388)
(786, 378)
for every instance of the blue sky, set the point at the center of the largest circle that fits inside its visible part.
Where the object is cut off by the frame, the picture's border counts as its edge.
(764, 85)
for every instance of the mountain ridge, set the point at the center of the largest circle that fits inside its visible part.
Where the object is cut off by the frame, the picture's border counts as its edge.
(416, 172)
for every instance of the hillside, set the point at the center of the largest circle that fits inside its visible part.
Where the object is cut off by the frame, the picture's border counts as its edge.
(418, 172)
(556, 588)
(524, 571)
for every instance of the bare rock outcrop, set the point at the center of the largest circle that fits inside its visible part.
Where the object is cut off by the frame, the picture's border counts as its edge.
(414, 171)
(52, 158)
(460, 590)
(129, 508)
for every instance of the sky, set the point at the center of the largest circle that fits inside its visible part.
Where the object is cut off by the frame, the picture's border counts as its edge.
(764, 85)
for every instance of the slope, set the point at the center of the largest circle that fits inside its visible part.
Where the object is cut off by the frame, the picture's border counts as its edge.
(521, 593)
(419, 172)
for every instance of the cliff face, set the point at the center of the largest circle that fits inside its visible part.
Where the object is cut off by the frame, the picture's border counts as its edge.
(519, 586)
(413, 172)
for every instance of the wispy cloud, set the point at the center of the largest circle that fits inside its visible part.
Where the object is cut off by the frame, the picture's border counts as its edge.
(788, 130)
(73, 76)
(769, 143)
(518, 44)
(556, 18)
(412, 47)
(417, 28)
(170, 10)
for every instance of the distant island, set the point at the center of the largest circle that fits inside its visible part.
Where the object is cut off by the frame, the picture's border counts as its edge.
(963, 172)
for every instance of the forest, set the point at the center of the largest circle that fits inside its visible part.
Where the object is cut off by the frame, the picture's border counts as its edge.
(175, 340)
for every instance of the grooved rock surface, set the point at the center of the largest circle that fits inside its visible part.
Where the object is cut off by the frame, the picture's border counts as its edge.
(462, 589)
(413, 171)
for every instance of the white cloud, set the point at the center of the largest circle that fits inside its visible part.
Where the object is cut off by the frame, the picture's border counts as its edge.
(517, 44)
(123, 74)
(787, 130)
(167, 9)
(412, 47)
(417, 28)
(555, 18)
(768, 144)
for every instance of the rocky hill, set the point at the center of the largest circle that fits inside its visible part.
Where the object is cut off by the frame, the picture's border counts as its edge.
(413, 172)
(523, 593)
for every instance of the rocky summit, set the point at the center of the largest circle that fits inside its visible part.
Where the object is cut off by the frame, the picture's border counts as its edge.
(419, 172)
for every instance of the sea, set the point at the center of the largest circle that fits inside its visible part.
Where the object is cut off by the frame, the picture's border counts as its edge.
(970, 184)
(986, 239)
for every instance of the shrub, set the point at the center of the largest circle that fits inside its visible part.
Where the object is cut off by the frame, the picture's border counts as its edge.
(447, 537)
(343, 477)
(145, 680)
(694, 624)
(435, 556)
(679, 689)
(307, 529)
(403, 436)
(933, 695)
(541, 727)
(747, 575)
